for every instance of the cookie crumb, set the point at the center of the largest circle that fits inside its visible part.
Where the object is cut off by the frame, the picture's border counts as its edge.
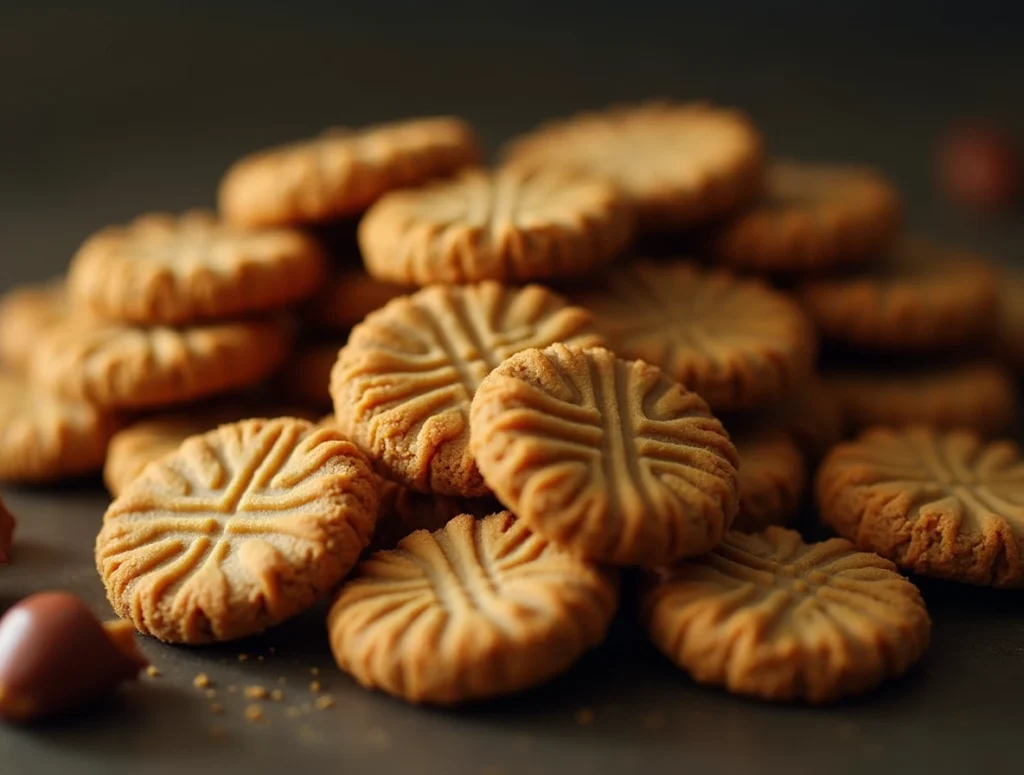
(276, 695)
(243, 657)
(253, 713)
(255, 693)
(585, 716)
(314, 686)
(153, 671)
(325, 702)
(211, 693)
(201, 681)
(217, 708)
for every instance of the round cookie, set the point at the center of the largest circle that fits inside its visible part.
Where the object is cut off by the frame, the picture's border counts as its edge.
(937, 503)
(114, 365)
(343, 171)
(348, 297)
(136, 446)
(403, 511)
(975, 394)
(813, 217)
(679, 164)
(920, 297)
(738, 343)
(772, 479)
(238, 530)
(609, 458)
(44, 437)
(166, 269)
(402, 385)
(306, 377)
(26, 313)
(510, 225)
(769, 616)
(477, 609)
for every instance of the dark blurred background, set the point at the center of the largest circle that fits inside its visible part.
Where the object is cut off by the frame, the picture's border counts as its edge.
(112, 108)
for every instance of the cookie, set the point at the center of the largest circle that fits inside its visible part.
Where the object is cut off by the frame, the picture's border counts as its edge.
(136, 446)
(306, 377)
(920, 297)
(114, 365)
(402, 385)
(168, 269)
(478, 609)
(609, 458)
(812, 217)
(938, 503)
(25, 314)
(238, 530)
(772, 479)
(1009, 339)
(403, 511)
(679, 164)
(509, 225)
(769, 616)
(343, 171)
(347, 297)
(44, 437)
(738, 343)
(975, 394)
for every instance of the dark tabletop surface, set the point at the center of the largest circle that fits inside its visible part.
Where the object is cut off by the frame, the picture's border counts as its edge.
(119, 109)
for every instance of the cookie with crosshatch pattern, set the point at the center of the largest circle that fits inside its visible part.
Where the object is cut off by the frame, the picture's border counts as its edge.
(937, 503)
(606, 457)
(240, 529)
(770, 616)
(402, 385)
(479, 608)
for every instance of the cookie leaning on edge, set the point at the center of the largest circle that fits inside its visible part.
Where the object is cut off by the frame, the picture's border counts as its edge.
(510, 225)
(941, 504)
(477, 609)
(166, 269)
(609, 458)
(770, 616)
(239, 529)
(773, 476)
(679, 164)
(343, 171)
(402, 385)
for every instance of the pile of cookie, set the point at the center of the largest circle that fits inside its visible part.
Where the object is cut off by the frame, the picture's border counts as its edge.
(523, 405)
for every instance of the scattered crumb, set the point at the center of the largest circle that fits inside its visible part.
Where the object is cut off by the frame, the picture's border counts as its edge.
(201, 681)
(276, 695)
(314, 671)
(153, 671)
(585, 716)
(253, 713)
(255, 693)
(211, 693)
(232, 688)
(325, 702)
(314, 686)
(242, 657)
(217, 708)
(378, 737)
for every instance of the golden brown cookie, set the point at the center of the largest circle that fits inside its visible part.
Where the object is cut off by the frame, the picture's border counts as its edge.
(110, 364)
(44, 437)
(168, 269)
(920, 297)
(25, 314)
(306, 377)
(772, 479)
(477, 609)
(939, 503)
(609, 458)
(679, 164)
(976, 395)
(769, 616)
(403, 511)
(403, 384)
(510, 225)
(239, 529)
(346, 298)
(738, 343)
(343, 171)
(1009, 340)
(813, 216)
(133, 448)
